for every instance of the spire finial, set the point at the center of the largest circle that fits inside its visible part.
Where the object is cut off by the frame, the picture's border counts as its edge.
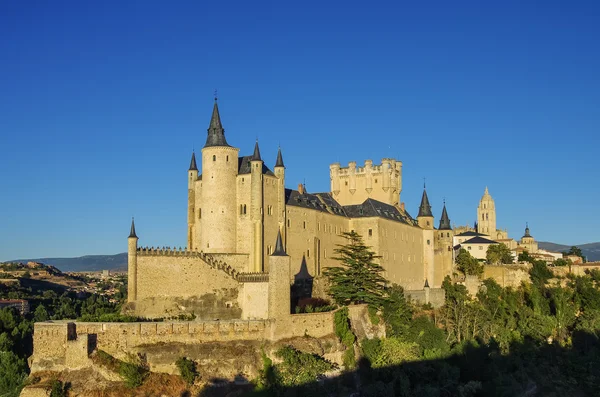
(424, 179)
(216, 96)
(132, 231)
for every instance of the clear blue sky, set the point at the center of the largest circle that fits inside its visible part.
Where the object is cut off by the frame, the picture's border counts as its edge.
(102, 102)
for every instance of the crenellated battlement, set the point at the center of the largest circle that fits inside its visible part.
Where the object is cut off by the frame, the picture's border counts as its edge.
(168, 251)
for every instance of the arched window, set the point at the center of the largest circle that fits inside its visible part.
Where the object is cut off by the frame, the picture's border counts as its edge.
(487, 217)
(244, 209)
(214, 157)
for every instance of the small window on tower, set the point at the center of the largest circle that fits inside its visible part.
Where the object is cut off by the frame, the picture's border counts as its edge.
(308, 253)
(370, 232)
(227, 158)
(304, 225)
(375, 180)
(199, 213)
(428, 242)
(288, 223)
(214, 158)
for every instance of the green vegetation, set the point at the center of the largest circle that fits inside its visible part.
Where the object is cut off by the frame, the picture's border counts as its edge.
(358, 279)
(298, 368)
(498, 254)
(468, 265)
(187, 369)
(575, 251)
(133, 372)
(344, 333)
(58, 389)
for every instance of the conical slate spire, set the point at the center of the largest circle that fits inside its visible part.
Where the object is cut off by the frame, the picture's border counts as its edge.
(216, 132)
(279, 162)
(256, 155)
(193, 166)
(279, 250)
(444, 220)
(132, 231)
(425, 208)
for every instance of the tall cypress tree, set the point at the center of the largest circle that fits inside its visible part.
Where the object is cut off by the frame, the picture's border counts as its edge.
(358, 279)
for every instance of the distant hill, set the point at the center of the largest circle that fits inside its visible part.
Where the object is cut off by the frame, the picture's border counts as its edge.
(88, 263)
(591, 250)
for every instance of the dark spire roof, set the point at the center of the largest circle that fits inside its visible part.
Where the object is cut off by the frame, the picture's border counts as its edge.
(527, 230)
(426, 284)
(279, 162)
(444, 220)
(132, 232)
(256, 155)
(303, 274)
(193, 166)
(279, 250)
(425, 208)
(216, 132)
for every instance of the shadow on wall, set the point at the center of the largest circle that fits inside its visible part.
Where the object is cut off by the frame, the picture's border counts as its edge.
(472, 370)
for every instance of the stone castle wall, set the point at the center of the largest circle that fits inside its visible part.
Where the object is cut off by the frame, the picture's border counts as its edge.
(507, 275)
(173, 282)
(435, 296)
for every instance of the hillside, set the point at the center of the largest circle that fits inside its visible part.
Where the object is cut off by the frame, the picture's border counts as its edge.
(86, 263)
(591, 250)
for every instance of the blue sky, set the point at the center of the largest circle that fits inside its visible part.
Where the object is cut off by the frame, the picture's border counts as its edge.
(101, 104)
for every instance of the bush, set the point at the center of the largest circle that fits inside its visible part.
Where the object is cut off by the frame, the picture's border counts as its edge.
(343, 331)
(58, 389)
(373, 315)
(314, 305)
(187, 370)
(299, 368)
(12, 374)
(132, 373)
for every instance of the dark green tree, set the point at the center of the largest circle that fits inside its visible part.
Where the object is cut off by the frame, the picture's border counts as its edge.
(358, 279)
(467, 264)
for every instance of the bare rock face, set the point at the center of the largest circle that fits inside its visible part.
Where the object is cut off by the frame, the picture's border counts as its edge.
(361, 324)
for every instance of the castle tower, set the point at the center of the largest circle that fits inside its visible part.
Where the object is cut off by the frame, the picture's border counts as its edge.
(353, 185)
(256, 210)
(486, 215)
(132, 264)
(444, 252)
(425, 220)
(280, 174)
(279, 283)
(192, 178)
(528, 242)
(217, 215)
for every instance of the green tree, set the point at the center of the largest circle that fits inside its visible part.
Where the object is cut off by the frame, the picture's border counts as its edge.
(467, 264)
(397, 312)
(13, 372)
(358, 279)
(498, 253)
(40, 314)
(525, 257)
(562, 262)
(539, 273)
(187, 369)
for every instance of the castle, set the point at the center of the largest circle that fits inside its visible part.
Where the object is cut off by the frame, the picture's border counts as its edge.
(237, 206)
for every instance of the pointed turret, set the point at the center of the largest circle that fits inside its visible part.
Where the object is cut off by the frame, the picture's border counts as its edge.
(132, 231)
(279, 250)
(256, 155)
(445, 220)
(425, 208)
(279, 162)
(216, 132)
(193, 166)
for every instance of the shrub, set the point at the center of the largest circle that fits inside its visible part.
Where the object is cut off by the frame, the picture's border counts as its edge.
(299, 368)
(132, 373)
(344, 332)
(373, 315)
(187, 370)
(58, 389)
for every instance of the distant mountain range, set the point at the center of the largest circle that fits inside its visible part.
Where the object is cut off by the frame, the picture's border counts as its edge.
(591, 251)
(90, 263)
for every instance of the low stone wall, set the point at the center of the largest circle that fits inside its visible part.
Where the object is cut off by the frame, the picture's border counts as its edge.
(576, 270)
(435, 296)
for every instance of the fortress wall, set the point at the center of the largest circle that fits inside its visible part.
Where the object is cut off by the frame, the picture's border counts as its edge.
(239, 262)
(507, 275)
(253, 298)
(170, 283)
(436, 296)
(316, 325)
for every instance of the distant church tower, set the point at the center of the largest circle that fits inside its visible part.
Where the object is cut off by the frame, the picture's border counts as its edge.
(486, 215)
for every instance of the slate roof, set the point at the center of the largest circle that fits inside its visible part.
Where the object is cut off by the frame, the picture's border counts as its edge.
(216, 132)
(303, 274)
(425, 208)
(470, 234)
(478, 240)
(445, 220)
(245, 168)
(279, 250)
(279, 162)
(193, 166)
(324, 202)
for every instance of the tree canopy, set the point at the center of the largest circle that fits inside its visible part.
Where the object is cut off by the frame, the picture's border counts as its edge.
(358, 278)
(467, 264)
(498, 254)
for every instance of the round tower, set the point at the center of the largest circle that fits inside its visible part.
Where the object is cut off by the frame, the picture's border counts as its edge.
(217, 213)
(280, 174)
(256, 210)
(192, 178)
(132, 264)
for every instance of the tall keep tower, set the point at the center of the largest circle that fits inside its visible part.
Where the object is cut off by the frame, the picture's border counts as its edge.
(214, 222)
(425, 220)
(486, 215)
(444, 252)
